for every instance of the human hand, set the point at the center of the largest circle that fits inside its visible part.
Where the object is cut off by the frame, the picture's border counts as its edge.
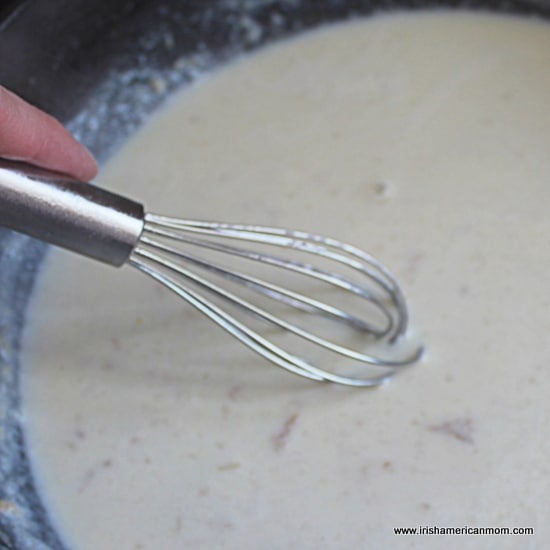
(28, 134)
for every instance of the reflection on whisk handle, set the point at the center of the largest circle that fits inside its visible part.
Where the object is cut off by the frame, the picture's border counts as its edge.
(77, 216)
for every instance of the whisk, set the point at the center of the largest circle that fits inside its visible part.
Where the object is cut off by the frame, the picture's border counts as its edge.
(177, 253)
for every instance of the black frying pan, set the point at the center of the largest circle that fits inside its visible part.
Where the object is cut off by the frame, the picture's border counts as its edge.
(91, 63)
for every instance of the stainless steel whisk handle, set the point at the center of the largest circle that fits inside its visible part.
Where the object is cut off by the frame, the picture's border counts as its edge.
(74, 215)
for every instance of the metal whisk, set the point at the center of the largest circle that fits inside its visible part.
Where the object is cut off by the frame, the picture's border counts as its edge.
(183, 255)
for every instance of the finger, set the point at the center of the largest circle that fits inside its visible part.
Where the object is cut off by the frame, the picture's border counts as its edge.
(29, 134)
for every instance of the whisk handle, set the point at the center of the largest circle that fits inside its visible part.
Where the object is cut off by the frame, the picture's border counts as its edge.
(74, 215)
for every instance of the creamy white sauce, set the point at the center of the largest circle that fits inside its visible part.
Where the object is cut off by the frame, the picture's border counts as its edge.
(421, 138)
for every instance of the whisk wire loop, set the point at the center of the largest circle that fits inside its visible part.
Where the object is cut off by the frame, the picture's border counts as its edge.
(166, 264)
(246, 335)
(282, 294)
(317, 245)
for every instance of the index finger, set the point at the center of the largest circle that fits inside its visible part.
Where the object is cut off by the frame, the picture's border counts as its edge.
(33, 136)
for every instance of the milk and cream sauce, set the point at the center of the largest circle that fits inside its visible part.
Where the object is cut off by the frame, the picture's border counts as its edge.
(422, 138)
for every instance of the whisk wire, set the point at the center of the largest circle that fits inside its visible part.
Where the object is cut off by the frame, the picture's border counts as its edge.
(316, 245)
(286, 295)
(281, 323)
(149, 256)
(246, 335)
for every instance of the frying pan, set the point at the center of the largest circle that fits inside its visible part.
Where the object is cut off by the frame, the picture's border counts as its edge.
(102, 68)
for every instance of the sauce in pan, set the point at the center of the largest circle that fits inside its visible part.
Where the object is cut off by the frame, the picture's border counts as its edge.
(424, 139)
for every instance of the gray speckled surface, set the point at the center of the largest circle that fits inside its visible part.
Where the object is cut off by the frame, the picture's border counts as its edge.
(176, 44)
